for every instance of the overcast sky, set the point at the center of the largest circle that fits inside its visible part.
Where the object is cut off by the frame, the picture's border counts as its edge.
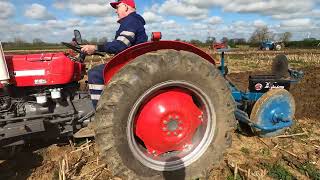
(54, 20)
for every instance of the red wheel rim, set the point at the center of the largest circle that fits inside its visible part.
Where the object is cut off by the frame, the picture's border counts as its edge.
(171, 125)
(168, 121)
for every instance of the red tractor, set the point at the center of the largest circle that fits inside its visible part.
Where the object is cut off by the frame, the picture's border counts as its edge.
(216, 46)
(166, 111)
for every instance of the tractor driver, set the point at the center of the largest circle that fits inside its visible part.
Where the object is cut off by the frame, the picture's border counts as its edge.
(130, 32)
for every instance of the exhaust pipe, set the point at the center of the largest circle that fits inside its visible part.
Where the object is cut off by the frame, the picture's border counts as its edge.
(4, 74)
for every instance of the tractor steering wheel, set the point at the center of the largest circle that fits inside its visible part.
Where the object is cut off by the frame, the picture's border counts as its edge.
(77, 48)
(73, 47)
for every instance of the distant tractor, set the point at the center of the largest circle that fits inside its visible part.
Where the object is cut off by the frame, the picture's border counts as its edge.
(271, 45)
(217, 46)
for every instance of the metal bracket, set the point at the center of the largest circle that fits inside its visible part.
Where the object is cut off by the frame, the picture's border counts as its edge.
(243, 117)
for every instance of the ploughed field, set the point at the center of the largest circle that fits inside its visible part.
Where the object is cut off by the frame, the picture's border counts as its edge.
(295, 155)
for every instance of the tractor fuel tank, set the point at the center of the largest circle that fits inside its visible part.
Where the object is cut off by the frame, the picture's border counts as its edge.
(43, 69)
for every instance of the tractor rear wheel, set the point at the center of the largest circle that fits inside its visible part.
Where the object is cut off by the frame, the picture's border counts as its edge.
(278, 47)
(165, 115)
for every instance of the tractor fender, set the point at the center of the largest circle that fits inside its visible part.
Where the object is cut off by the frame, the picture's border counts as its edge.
(121, 59)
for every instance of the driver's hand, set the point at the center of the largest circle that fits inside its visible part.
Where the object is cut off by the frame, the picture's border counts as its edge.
(89, 49)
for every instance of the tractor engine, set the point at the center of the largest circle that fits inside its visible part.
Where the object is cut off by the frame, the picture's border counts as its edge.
(53, 111)
(42, 98)
(26, 102)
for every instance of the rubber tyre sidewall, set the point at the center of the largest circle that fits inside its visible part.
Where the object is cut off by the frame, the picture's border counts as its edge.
(131, 82)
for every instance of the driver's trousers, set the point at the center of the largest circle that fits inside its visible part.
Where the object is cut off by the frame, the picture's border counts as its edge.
(96, 83)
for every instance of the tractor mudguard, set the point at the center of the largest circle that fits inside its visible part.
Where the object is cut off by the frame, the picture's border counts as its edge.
(120, 60)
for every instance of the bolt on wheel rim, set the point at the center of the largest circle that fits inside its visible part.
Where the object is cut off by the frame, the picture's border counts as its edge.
(172, 127)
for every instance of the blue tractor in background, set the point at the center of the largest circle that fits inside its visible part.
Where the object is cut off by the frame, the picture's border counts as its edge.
(269, 45)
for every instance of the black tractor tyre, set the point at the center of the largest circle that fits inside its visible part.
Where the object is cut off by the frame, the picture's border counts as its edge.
(280, 66)
(132, 81)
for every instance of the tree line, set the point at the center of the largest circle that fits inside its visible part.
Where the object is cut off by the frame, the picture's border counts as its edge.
(259, 35)
(37, 43)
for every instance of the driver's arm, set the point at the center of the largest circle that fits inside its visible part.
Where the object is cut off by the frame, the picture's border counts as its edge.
(125, 37)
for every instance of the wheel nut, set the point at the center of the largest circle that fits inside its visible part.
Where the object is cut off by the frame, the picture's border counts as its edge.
(164, 129)
(168, 133)
(175, 133)
(180, 128)
(165, 122)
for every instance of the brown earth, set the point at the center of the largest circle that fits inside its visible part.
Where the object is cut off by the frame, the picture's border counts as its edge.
(248, 153)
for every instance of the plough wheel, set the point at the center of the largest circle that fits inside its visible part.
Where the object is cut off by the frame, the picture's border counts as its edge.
(275, 101)
(164, 115)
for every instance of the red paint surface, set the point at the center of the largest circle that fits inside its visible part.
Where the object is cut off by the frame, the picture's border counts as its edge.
(120, 60)
(152, 123)
(59, 69)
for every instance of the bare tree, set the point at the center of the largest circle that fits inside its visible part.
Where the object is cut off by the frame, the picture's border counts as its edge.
(261, 34)
(224, 40)
(285, 37)
(210, 40)
(18, 41)
(37, 41)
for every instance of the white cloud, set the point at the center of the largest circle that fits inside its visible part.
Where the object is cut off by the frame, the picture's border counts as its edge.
(110, 20)
(151, 17)
(95, 8)
(56, 30)
(276, 8)
(269, 7)
(304, 23)
(7, 9)
(170, 24)
(259, 23)
(91, 10)
(38, 12)
(63, 24)
(315, 13)
(178, 8)
(59, 5)
(214, 20)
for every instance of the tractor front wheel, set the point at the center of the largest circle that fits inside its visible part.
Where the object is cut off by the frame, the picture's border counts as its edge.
(164, 115)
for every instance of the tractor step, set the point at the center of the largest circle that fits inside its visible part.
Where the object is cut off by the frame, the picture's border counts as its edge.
(85, 132)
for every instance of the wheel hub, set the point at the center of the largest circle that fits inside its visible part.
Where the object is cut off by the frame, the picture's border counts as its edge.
(173, 124)
(168, 122)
